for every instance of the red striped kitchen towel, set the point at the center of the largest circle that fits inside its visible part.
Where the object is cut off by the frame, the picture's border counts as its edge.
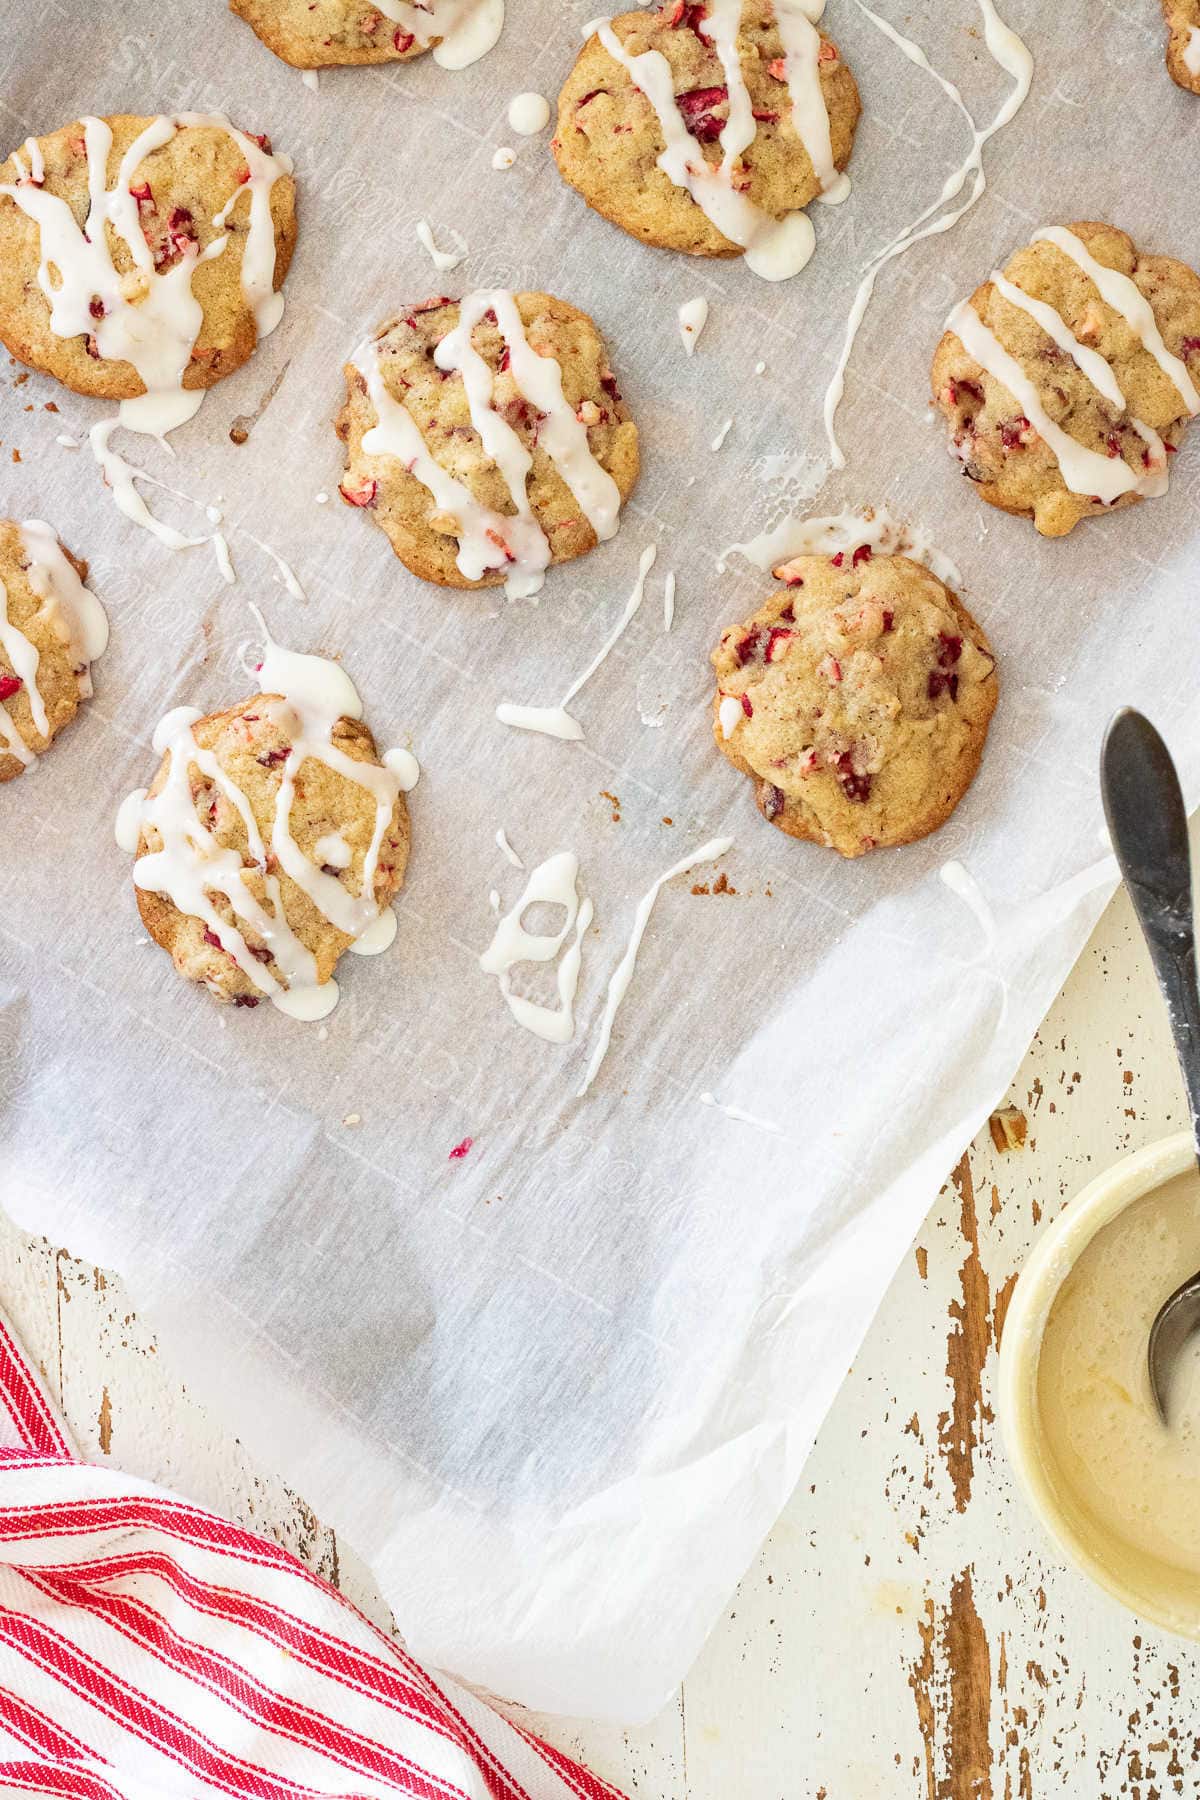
(151, 1649)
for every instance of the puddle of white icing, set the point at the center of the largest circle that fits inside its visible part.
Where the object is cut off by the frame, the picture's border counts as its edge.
(1007, 49)
(554, 882)
(313, 694)
(503, 157)
(442, 260)
(156, 331)
(1191, 55)
(693, 317)
(618, 984)
(556, 721)
(528, 114)
(835, 532)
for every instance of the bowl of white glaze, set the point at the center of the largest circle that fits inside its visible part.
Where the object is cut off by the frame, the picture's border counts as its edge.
(1117, 1490)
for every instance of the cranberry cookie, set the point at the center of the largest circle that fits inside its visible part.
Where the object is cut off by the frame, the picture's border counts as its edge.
(704, 132)
(857, 700)
(272, 839)
(1069, 380)
(168, 238)
(1183, 44)
(487, 437)
(51, 629)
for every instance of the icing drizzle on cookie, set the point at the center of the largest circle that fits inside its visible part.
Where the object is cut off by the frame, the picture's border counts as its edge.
(148, 317)
(775, 249)
(73, 613)
(489, 540)
(308, 695)
(466, 29)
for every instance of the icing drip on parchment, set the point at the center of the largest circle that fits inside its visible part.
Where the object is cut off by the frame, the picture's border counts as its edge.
(489, 540)
(839, 532)
(554, 882)
(623, 973)
(73, 613)
(1007, 49)
(149, 317)
(556, 721)
(775, 248)
(191, 865)
(1083, 469)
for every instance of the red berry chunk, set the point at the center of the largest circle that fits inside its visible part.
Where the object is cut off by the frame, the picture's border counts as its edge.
(363, 496)
(270, 759)
(699, 109)
(855, 786)
(10, 685)
(461, 1150)
(861, 555)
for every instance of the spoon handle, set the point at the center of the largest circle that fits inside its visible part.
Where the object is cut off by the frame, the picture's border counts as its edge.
(1146, 816)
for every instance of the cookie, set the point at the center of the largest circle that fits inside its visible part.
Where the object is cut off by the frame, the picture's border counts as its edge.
(317, 34)
(857, 700)
(1069, 380)
(52, 628)
(1183, 42)
(175, 189)
(644, 110)
(272, 839)
(487, 437)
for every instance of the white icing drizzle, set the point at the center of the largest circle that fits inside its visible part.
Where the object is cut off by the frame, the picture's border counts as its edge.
(556, 721)
(743, 1118)
(775, 248)
(1084, 470)
(506, 848)
(1089, 361)
(960, 881)
(802, 71)
(528, 114)
(490, 540)
(503, 157)
(669, 600)
(311, 79)
(71, 610)
(128, 827)
(467, 28)
(1125, 297)
(149, 318)
(555, 882)
(1005, 48)
(835, 532)
(334, 850)
(190, 866)
(722, 434)
(1191, 54)
(442, 260)
(623, 973)
(693, 317)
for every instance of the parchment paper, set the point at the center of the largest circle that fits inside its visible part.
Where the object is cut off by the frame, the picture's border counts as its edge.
(557, 1391)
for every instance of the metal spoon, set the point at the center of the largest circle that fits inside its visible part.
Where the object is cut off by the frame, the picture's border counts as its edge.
(1148, 822)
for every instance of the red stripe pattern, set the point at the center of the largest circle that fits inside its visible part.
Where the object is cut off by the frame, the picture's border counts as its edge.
(150, 1650)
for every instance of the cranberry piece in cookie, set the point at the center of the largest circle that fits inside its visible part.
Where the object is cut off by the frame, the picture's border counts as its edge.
(642, 114)
(52, 628)
(1069, 379)
(857, 700)
(487, 438)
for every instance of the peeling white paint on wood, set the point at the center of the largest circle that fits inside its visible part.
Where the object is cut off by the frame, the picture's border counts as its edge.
(905, 1633)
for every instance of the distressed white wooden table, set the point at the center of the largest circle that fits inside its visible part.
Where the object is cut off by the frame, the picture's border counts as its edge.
(905, 1632)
